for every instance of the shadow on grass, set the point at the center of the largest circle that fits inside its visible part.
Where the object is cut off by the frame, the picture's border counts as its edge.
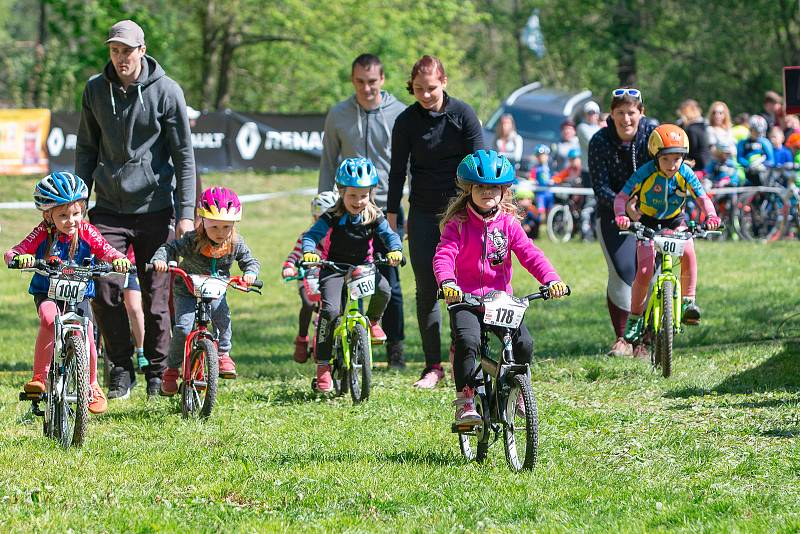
(403, 457)
(779, 372)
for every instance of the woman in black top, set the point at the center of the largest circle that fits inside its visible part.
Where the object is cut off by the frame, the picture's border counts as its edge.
(615, 152)
(430, 138)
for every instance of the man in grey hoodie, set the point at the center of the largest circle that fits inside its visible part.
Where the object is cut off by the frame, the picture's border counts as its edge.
(361, 126)
(134, 147)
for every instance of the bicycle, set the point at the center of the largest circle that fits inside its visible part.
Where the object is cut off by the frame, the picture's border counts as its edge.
(351, 365)
(499, 383)
(563, 216)
(66, 396)
(200, 370)
(662, 318)
(310, 279)
(763, 214)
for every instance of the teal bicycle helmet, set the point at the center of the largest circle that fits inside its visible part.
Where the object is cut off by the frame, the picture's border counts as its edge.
(356, 172)
(486, 167)
(59, 188)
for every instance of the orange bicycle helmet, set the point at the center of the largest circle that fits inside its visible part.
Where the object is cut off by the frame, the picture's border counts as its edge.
(793, 142)
(668, 139)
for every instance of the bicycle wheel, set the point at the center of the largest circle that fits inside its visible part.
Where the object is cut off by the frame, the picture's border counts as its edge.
(762, 216)
(559, 224)
(338, 371)
(359, 374)
(667, 332)
(72, 405)
(49, 419)
(474, 444)
(521, 435)
(199, 392)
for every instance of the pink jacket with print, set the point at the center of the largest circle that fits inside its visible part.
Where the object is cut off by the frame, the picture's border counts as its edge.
(476, 253)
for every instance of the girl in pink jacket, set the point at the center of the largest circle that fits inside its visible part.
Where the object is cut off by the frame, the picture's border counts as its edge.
(479, 231)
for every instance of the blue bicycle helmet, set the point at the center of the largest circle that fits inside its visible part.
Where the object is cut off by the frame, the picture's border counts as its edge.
(574, 153)
(59, 188)
(486, 167)
(541, 149)
(356, 172)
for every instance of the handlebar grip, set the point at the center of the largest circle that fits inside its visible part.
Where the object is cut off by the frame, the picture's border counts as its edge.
(258, 284)
(148, 267)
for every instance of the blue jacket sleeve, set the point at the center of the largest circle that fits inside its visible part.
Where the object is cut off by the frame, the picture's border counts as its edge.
(767, 144)
(388, 236)
(315, 234)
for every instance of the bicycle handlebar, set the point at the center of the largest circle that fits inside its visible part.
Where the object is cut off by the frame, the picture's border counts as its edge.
(645, 233)
(53, 267)
(342, 267)
(236, 282)
(471, 300)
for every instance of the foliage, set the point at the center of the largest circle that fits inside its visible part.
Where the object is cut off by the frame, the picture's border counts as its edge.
(294, 55)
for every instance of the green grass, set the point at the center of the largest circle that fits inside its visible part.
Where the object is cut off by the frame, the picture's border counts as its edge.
(714, 448)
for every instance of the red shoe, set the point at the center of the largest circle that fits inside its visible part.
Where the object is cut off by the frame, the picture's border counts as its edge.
(227, 369)
(97, 400)
(169, 382)
(36, 385)
(376, 333)
(324, 378)
(300, 349)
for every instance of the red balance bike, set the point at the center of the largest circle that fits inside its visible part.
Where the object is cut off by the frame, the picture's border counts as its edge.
(200, 373)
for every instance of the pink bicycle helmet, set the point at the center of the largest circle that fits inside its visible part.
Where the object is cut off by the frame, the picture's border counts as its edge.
(220, 204)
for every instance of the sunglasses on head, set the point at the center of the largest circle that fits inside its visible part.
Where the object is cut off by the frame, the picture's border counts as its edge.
(626, 91)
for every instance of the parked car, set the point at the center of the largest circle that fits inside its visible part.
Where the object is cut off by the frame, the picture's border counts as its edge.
(538, 113)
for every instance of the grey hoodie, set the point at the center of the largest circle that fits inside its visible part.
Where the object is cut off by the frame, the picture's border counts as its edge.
(126, 139)
(351, 131)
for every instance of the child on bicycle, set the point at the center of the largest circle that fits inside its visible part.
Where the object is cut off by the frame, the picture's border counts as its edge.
(480, 229)
(63, 233)
(319, 205)
(210, 249)
(352, 224)
(662, 185)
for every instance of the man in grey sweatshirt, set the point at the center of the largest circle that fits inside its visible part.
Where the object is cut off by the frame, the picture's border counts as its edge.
(361, 126)
(134, 148)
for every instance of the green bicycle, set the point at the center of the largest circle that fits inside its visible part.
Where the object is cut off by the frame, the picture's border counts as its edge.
(662, 317)
(351, 365)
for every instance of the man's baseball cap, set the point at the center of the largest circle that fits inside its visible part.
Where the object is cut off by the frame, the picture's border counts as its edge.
(591, 107)
(126, 32)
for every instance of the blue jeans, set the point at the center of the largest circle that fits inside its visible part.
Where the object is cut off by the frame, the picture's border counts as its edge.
(184, 322)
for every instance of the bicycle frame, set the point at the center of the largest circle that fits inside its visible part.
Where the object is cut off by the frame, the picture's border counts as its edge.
(351, 316)
(655, 302)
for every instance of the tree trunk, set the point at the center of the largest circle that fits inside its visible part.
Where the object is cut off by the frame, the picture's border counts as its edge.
(625, 23)
(522, 51)
(229, 45)
(210, 52)
(36, 81)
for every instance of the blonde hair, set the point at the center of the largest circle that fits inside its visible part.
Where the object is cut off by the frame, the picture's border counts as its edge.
(690, 111)
(201, 239)
(457, 208)
(52, 229)
(371, 212)
(726, 116)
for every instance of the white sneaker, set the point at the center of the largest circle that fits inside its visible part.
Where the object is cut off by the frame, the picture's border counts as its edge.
(466, 414)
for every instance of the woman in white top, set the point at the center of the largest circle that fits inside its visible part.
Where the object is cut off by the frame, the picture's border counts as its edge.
(719, 125)
(507, 141)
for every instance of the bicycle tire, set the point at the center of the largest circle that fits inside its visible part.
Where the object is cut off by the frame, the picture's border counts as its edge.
(667, 332)
(560, 224)
(359, 373)
(520, 385)
(762, 216)
(475, 445)
(204, 363)
(72, 422)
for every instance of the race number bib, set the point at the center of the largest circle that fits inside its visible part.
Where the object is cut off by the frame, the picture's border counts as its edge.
(361, 287)
(72, 291)
(504, 310)
(670, 245)
(208, 286)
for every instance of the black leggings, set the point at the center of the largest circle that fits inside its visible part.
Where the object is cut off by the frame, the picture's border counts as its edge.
(306, 311)
(466, 325)
(423, 236)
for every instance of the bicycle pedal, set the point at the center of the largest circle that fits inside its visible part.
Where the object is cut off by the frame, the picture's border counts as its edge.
(464, 429)
(35, 397)
(199, 384)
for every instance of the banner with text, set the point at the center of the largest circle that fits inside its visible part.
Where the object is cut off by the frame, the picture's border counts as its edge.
(222, 141)
(22, 141)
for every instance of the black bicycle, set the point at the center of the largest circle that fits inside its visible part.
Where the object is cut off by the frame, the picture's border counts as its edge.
(500, 383)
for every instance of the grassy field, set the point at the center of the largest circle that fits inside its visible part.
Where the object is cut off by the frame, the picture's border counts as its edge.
(714, 448)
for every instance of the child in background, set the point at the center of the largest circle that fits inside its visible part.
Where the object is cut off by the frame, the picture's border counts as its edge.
(755, 153)
(540, 175)
(480, 229)
(210, 249)
(723, 171)
(781, 154)
(662, 185)
(523, 195)
(319, 205)
(61, 197)
(571, 174)
(352, 224)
